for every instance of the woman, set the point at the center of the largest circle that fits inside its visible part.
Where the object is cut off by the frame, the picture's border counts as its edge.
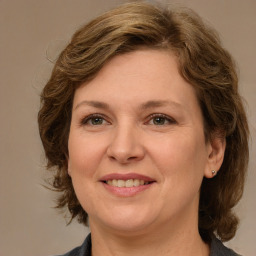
(143, 124)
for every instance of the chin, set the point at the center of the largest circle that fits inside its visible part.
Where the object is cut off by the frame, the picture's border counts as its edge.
(125, 222)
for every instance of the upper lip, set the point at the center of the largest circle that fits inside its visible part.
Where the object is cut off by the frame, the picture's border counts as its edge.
(127, 176)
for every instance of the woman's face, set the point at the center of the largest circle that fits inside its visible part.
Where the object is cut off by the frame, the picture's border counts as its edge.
(137, 151)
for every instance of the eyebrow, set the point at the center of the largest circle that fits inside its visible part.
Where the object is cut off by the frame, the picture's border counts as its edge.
(144, 106)
(96, 104)
(159, 103)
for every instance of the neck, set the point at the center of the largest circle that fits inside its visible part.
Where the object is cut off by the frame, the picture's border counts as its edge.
(179, 239)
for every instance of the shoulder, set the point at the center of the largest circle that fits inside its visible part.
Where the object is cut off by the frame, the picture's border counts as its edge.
(83, 250)
(219, 249)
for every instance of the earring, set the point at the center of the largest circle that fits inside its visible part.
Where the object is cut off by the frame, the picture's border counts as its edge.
(213, 173)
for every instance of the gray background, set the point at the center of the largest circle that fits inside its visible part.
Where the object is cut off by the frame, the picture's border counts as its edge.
(31, 31)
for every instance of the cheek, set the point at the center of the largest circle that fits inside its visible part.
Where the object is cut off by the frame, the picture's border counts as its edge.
(179, 155)
(84, 154)
(84, 157)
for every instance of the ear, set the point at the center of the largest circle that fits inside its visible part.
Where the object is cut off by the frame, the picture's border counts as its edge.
(69, 167)
(216, 151)
(68, 164)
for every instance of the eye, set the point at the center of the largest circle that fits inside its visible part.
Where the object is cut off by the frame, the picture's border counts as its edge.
(160, 119)
(94, 120)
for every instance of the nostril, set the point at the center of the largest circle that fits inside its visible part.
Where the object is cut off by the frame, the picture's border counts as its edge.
(123, 158)
(132, 158)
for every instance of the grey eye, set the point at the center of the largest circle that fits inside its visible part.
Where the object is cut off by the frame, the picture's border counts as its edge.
(96, 120)
(159, 120)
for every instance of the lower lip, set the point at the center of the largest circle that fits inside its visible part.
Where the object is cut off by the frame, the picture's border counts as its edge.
(127, 192)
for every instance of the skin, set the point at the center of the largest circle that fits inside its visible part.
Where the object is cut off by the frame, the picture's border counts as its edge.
(146, 120)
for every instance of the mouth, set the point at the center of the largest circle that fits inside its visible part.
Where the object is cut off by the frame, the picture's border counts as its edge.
(127, 183)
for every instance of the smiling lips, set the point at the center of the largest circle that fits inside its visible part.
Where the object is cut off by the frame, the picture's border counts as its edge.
(126, 185)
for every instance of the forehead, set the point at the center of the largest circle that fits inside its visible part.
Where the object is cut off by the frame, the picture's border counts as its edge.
(142, 75)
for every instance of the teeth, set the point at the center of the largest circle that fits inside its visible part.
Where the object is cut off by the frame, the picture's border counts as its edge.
(136, 183)
(127, 183)
(121, 183)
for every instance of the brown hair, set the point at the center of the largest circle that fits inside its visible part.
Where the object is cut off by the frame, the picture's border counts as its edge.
(202, 61)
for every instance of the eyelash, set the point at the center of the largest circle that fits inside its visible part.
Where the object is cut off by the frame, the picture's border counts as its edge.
(165, 117)
(85, 121)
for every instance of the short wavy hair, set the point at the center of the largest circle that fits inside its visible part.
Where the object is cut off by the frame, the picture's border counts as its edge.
(203, 62)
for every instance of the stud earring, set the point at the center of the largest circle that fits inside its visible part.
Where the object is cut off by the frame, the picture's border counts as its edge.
(213, 173)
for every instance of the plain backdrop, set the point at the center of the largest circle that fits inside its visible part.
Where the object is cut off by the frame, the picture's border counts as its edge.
(32, 32)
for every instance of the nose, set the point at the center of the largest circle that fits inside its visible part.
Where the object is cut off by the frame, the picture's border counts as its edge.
(126, 145)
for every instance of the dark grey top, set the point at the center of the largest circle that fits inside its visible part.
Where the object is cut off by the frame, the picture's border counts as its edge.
(217, 249)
